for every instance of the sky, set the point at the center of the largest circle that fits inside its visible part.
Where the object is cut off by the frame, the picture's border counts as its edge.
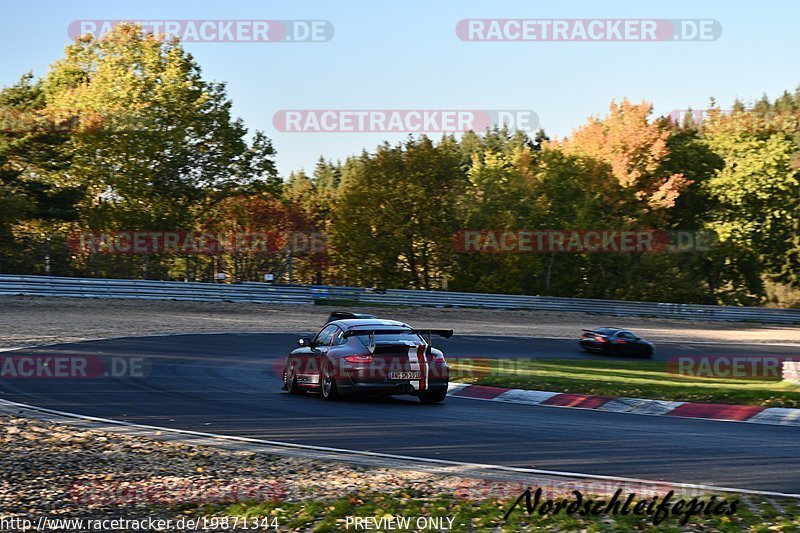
(408, 56)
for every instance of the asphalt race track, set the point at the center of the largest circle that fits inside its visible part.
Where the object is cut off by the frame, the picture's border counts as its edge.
(228, 384)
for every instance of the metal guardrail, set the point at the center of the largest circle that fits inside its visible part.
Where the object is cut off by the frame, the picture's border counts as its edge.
(264, 293)
(416, 298)
(152, 290)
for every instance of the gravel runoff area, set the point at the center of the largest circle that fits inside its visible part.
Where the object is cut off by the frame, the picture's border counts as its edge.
(59, 471)
(27, 320)
(55, 471)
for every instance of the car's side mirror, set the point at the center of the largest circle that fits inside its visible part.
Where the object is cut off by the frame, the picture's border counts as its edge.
(304, 342)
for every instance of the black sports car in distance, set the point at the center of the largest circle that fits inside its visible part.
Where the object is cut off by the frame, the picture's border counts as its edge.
(369, 356)
(615, 341)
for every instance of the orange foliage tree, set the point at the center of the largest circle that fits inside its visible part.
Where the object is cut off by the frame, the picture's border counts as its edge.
(633, 150)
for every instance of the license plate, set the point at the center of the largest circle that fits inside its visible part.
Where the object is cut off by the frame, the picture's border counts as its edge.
(405, 375)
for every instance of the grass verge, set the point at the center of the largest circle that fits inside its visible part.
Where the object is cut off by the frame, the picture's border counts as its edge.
(632, 379)
(487, 515)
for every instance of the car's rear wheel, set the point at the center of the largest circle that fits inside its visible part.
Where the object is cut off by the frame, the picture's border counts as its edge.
(327, 383)
(433, 396)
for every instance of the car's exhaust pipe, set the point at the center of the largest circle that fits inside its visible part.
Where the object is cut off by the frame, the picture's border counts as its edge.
(405, 389)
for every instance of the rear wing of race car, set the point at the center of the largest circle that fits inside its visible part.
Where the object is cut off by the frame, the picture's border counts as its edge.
(446, 333)
(594, 332)
(374, 331)
(344, 315)
(424, 333)
(428, 333)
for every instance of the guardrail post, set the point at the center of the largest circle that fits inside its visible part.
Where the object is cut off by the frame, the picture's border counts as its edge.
(47, 256)
(291, 258)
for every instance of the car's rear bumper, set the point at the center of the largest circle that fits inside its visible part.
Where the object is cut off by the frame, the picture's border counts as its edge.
(361, 379)
(364, 379)
(388, 389)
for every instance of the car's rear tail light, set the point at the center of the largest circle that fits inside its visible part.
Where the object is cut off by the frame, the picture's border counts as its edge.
(363, 359)
(598, 338)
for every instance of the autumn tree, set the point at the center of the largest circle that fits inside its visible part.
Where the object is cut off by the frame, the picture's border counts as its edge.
(153, 137)
(394, 218)
(634, 149)
(757, 198)
(152, 145)
(35, 212)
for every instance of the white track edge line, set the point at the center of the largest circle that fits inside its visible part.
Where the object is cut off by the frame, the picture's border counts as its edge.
(444, 462)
